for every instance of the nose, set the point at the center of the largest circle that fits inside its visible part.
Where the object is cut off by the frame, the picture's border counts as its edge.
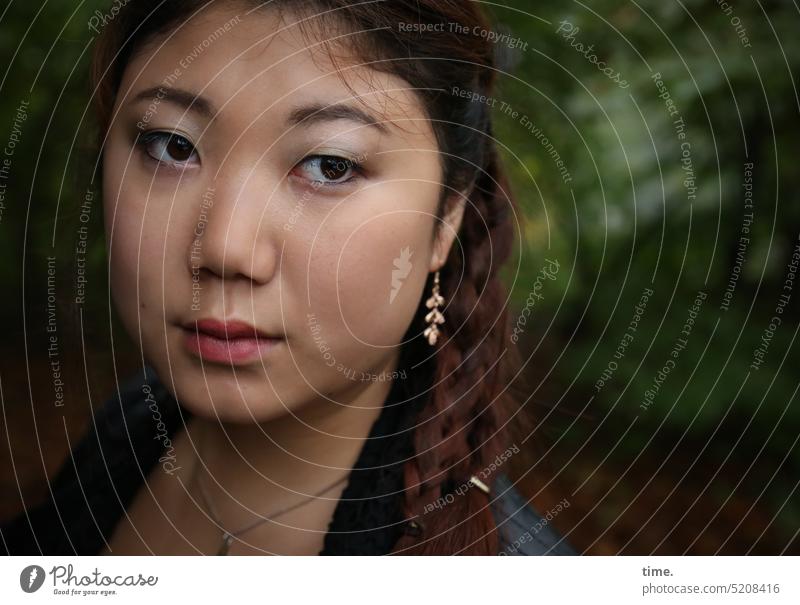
(233, 237)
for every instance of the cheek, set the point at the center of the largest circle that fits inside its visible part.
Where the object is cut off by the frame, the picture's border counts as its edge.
(368, 280)
(123, 225)
(138, 234)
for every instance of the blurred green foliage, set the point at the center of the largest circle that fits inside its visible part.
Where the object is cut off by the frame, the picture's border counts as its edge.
(626, 222)
(46, 49)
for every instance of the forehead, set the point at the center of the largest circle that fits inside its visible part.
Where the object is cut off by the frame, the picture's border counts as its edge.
(259, 62)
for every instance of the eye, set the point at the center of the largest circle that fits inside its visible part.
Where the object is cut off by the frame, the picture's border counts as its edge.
(168, 148)
(328, 170)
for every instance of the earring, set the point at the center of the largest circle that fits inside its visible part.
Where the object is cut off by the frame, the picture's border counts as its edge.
(435, 317)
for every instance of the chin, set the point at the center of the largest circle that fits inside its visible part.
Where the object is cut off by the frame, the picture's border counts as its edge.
(219, 392)
(220, 402)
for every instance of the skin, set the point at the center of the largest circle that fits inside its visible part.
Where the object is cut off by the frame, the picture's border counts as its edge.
(274, 248)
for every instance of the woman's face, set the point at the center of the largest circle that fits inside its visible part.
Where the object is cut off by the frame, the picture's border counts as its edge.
(269, 233)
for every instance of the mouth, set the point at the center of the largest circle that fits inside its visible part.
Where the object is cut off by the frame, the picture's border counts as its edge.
(230, 342)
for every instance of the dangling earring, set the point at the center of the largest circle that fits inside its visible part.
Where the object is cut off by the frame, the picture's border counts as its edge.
(435, 317)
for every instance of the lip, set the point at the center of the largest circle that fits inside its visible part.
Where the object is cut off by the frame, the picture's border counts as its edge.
(230, 342)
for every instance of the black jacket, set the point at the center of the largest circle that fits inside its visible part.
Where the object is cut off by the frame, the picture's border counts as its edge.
(91, 491)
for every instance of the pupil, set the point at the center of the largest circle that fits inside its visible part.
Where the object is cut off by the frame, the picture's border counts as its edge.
(333, 168)
(179, 148)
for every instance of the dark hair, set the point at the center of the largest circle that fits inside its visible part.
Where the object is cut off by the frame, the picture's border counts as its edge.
(464, 424)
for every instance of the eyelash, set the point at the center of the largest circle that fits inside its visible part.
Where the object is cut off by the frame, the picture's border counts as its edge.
(146, 139)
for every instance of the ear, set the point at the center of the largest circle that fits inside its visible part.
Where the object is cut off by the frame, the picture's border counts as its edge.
(448, 229)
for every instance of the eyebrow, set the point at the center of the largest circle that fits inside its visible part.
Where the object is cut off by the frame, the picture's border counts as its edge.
(180, 97)
(317, 112)
(305, 115)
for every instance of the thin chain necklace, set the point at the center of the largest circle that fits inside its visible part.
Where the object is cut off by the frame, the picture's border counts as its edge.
(228, 536)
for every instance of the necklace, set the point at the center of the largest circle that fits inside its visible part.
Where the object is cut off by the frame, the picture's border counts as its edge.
(227, 535)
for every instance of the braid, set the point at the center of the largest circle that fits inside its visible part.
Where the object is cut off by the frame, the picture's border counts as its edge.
(458, 431)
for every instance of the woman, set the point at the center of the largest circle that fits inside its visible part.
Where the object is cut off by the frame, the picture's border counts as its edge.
(305, 218)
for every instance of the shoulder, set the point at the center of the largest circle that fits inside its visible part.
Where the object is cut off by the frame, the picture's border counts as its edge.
(523, 530)
(140, 411)
(124, 430)
(101, 474)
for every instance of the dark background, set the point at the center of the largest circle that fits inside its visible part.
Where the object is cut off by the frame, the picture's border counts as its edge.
(711, 465)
